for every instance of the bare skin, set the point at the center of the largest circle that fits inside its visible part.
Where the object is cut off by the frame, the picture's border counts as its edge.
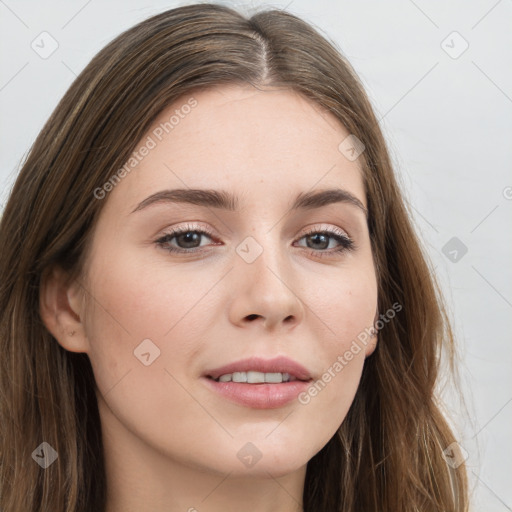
(171, 443)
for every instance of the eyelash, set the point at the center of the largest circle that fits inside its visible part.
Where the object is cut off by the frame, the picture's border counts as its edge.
(346, 243)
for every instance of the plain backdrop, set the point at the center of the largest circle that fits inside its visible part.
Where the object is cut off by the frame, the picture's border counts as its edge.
(439, 76)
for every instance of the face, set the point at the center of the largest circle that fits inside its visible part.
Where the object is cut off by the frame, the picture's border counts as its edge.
(177, 290)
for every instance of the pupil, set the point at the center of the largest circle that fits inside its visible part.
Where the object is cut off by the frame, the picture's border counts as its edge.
(325, 242)
(189, 238)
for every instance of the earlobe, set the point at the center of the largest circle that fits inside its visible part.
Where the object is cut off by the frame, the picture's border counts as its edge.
(60, 309)
(372, 345)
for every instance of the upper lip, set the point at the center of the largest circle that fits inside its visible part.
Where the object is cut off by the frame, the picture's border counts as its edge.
(281, 364)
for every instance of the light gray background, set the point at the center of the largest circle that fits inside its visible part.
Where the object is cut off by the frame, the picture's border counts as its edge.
(446, 115)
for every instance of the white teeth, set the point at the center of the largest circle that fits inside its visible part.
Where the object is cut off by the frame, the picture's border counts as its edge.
(252, 377)
(274, 377)
(255, 377)
(239, 377)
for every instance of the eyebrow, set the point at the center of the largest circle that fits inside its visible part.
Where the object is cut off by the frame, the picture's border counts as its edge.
(227, 201)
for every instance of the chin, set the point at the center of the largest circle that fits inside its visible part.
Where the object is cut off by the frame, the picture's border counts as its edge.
(257, 458)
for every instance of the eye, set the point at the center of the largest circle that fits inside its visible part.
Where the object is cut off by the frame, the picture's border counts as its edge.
(187, 238)
(320, 240)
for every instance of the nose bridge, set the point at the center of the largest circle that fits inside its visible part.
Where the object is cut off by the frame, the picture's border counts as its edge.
(265, 280)
(262, 251)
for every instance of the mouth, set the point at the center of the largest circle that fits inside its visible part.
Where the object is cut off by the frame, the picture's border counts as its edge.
(255, 377)
(259, 383)
(255, 370)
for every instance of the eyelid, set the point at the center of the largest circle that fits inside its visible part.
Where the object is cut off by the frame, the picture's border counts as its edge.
(202, 227)
(330, 228)
(188, 227)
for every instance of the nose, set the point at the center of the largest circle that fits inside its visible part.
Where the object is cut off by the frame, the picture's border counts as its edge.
(266, 292)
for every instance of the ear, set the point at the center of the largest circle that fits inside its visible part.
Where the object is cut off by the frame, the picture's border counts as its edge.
(372, 344)
(61, 306)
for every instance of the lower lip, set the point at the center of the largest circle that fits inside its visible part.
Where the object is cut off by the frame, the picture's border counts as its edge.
(259, 396)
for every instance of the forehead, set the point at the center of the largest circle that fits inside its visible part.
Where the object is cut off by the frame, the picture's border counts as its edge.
(262, 143)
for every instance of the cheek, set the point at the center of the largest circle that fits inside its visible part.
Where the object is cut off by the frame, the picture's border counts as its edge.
(139, 309)
(346, 309)
(145, 298)
(143, 327)
(345, 304)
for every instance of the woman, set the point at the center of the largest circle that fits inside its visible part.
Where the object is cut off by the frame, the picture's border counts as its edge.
(212, 296)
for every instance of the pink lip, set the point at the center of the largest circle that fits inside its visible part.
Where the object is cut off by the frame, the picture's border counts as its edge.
(260, 396)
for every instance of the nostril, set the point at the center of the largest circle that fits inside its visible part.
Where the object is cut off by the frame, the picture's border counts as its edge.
(252, 317)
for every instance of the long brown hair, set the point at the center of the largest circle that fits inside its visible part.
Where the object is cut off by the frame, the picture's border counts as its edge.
(387, 455)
